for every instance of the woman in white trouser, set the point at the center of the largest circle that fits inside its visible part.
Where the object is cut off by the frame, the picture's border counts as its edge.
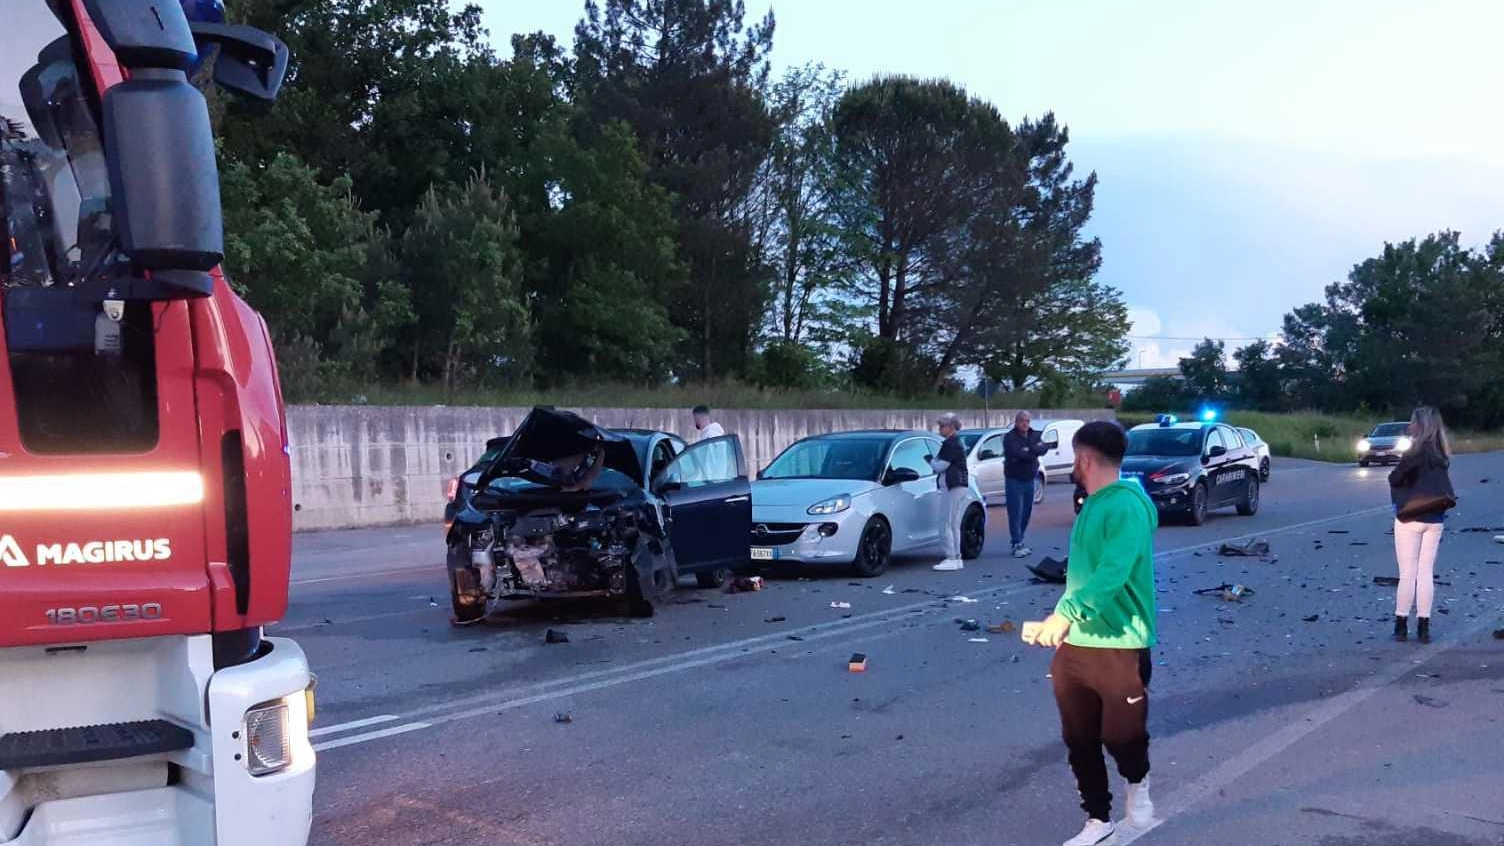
(1421, 489)
(954, 482)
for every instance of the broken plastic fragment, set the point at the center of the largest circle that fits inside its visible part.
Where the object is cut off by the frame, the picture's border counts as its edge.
(1255, 548)
(555, 636)
(858, 663)
(970, 625)
(840, 605)
(977, 640)
(563, 717)
(964, 600)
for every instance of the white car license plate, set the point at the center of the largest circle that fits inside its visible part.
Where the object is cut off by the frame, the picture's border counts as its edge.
(763, 553)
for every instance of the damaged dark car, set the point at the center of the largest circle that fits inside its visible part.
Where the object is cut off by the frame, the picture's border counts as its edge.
(571, 510)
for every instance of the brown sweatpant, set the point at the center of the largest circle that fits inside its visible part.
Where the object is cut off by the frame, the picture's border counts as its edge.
(1104, 701)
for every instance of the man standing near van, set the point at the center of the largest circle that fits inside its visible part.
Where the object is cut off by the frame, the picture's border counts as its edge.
(1022, 447)
(955, 480)
(1102, 630)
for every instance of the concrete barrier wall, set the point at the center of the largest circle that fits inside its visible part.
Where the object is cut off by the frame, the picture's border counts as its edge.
(358, 466)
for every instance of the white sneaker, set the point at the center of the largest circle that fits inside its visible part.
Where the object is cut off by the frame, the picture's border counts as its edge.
(1022, 551)
(1095, 832)
(950, 564)
(1140, 807)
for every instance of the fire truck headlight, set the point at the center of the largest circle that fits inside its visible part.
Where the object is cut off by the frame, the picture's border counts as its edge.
(268, 739)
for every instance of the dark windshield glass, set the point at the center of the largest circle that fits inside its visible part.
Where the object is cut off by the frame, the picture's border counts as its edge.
(53, 183)
(1164, 442)
(83, 379)
(830, 458)
(1390, 430)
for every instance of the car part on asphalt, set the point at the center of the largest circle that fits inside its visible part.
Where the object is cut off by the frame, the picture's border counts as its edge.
(1255, 548)
(1049, 570)
(858, 663)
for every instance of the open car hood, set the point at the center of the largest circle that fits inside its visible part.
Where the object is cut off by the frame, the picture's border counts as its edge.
(548, 434)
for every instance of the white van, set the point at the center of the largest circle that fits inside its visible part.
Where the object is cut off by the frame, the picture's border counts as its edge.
(985, 457)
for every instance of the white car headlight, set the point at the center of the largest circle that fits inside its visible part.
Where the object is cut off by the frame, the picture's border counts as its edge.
(1403, 444)
(1364, 445)
(1172, 479)
(834, 505)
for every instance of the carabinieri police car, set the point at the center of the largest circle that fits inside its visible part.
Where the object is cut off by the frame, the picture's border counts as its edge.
(1191, 468)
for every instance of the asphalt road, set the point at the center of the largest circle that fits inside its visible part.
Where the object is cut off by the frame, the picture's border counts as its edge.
(708, 725)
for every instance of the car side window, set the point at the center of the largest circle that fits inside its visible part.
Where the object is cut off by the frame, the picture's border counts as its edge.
(913, 454)
(992, 445)
(1213, 439)
(1231, 438)
(663, 454)
(707, 463)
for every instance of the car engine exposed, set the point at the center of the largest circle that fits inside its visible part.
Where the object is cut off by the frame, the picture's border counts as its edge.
(556, 552)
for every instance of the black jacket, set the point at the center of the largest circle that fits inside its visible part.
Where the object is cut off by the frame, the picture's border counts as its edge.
(1423, 471)
(957, 474)
(1021, 454)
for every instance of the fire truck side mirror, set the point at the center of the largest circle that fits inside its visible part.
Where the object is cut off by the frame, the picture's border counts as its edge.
(249, 62)
(145, 33)
(164, 181)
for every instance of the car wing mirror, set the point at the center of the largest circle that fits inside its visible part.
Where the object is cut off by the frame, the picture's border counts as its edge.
(1217, 452)
(250, 62)
(901, 475)
(1051, 440)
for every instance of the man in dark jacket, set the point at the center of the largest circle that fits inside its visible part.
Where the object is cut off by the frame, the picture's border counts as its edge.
(1022, 447)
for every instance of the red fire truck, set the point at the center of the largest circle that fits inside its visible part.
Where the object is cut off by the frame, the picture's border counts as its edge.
(145, 527)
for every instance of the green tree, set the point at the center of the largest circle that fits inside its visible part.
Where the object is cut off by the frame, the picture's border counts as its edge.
(923, 180)
(461, 261)
(1159, 394)
(1258, 380)
(688, 77)
(1205, 370)
(300, 251)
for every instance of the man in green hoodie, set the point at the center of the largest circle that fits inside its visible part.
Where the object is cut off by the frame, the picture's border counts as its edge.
(1102, 629)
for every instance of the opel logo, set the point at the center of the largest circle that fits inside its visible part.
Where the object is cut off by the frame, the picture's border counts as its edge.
(761, 530)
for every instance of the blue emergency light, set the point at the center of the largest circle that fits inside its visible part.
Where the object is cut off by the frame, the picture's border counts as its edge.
(1166, 420)
(1209, 415)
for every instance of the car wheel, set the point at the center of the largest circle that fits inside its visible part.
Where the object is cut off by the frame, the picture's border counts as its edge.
(1197, 513)
(1264, 470)
(973, 533)
(1362, 462)
(874, 548)
(1039, 484)
(714, 578)
(1250, 504)
(466, 597)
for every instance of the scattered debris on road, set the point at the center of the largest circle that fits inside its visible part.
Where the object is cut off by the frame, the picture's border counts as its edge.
(1337, 532)
(1311, 619)
(563, 717)
(1427, 701)
(978, 640)
(1049, 570)
(858, 663)
(969, 625)
(794, 637)
(744, 584)
(478, 649)
(964, 600)
(1482, 530)
(1498, 634)
(841, 605)
(1227, 592)
(1387, 581)
(1255, 548)
(1004, 627)
(555, 636)
(889, 591)
(778, 619)
(1358, 543)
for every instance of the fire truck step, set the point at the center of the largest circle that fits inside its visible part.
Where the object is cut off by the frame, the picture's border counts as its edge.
(91, 744)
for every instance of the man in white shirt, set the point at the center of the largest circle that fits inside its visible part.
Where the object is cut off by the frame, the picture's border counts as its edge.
(704, 425)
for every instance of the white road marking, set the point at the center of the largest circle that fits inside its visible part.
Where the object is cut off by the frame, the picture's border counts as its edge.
(370, 735)
(353, 724)
(679, 662)
(429, 568)
(1274, 745)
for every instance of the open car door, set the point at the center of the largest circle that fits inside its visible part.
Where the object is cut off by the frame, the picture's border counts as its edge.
(710, 505)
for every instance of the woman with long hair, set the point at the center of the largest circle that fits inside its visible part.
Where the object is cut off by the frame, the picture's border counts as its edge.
(1421, 489)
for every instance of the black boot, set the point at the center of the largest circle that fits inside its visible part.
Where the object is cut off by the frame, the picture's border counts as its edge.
(1423, 629)
(1401, 628)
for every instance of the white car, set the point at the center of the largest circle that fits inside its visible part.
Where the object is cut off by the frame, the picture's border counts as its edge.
(985, 456)
(854, 499)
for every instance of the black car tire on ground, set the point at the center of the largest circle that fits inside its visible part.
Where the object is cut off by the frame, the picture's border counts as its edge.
(874, 549)
(1264, 469)
(1196, 512)
(1250, 503)
(1039, 483)
(1362, 462)
(714, 579)
(462, 584)
(973, 533)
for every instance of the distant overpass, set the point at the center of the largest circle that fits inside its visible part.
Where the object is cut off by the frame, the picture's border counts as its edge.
(1137, 377)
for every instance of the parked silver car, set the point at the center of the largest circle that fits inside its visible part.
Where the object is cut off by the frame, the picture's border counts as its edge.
(855, 499)
(984, 452)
